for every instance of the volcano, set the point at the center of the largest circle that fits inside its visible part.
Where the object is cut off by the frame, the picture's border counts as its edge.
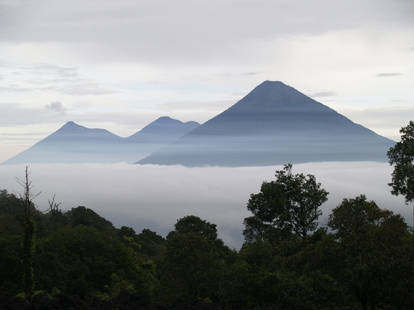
(273, 124)
(73, 143)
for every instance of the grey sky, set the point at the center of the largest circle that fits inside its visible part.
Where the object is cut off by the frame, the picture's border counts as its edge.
(120, 64)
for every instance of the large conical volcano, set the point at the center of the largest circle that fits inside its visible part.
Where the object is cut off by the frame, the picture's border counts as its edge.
(274, 124)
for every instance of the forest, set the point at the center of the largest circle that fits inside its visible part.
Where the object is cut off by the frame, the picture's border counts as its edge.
(76, 259)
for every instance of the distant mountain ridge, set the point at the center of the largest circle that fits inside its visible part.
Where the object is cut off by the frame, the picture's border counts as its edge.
(273, 124)
(73, 143)
(72, 131)
(164, 129)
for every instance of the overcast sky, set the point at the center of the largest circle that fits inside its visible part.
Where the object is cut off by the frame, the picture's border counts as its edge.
(121, 64)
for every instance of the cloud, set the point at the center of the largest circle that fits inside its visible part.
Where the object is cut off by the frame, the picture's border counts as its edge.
(46, 78)
(3, 64)
(388, 74)
(155, 196)
(13, 114)
(56, 106)
(252, 73)
(191, 106)
(182, 30)
(54, 70)
(234, 74)
(386, 120)
(12, 88)
(79, 89)
(323, 94)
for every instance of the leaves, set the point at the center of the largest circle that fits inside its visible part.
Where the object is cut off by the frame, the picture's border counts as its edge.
(401, 156)
(288, 205)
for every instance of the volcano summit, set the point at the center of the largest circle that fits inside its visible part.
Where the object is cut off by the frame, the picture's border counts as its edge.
(273, 124)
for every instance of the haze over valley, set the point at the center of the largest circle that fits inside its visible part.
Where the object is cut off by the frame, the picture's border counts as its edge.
(156, 196)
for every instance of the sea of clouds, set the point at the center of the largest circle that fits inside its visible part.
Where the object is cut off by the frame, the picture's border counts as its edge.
(156, 196)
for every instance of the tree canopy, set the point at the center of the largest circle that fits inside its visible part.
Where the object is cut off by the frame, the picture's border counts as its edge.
(401, 156)
(288, 205)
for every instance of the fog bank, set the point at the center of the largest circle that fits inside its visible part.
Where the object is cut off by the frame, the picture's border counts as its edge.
(156, 196)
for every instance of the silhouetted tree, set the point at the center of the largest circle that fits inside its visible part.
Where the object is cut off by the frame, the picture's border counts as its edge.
(85, 216)
(193, 264)
(401, 155)
(288, 205)
(193, 224)
(28, 226)
(376, 250)
(54, 206)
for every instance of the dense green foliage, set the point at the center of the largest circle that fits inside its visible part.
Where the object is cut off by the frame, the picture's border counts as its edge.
(401, 156)
(284, 207)
(363, 259)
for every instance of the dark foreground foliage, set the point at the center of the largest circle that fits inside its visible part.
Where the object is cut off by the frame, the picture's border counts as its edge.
(364, 259)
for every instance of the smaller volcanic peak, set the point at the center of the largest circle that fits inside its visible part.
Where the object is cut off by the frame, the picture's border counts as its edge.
(163, 129)
(166, 120)
(163, 122)
(71, 126)
(74, 132)
(75, 143)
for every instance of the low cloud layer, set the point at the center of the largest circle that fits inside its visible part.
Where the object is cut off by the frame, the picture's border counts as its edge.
(156, 196)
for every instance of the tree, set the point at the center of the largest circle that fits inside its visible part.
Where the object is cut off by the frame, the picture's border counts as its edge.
(401, 155)
(355, 216)
(28, 226)
(88, 261)
(289, 205)
(193, 264)
(196, 225)
(87, 217)
(376, 250)
(151, 244)
(54, 206)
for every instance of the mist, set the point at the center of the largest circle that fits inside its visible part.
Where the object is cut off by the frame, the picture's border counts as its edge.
(155, 197)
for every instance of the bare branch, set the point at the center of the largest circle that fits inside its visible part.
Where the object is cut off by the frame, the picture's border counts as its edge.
(53, 205)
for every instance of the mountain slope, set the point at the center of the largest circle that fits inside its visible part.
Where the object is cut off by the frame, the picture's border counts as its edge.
(273, 124)
(163, 130)
(69, 144)
(73, 143)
